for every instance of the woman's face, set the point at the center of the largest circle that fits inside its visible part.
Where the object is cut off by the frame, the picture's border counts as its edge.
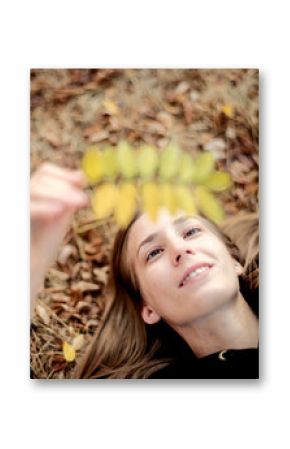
(162, 252)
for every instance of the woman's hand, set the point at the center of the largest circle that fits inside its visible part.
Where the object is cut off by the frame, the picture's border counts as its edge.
(55, 194)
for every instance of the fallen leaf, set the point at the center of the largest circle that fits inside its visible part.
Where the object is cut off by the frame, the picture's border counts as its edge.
(165, 118)
(111, 107)
(78, 342)
(227, 109)
(68, 352)
(101, 274)
(42, 313)
(66, 252)
(182, 87)
(83, 286)
(217, 147)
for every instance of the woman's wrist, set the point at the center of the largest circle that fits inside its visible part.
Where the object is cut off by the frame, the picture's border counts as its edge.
(38, 270)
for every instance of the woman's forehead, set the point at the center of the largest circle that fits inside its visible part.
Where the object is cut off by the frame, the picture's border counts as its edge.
(144, 226)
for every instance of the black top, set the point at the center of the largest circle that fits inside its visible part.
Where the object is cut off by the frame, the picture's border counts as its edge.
(230, 364)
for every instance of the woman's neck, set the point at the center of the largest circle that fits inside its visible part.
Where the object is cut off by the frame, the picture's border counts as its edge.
(233, 326)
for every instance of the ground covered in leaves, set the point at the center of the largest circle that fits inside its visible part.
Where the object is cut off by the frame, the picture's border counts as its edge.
(213, 110)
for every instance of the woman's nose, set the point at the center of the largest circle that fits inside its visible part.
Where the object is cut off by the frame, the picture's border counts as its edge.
(180, 254)
(179, 250)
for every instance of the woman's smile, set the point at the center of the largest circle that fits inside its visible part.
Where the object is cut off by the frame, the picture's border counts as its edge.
(196, 276)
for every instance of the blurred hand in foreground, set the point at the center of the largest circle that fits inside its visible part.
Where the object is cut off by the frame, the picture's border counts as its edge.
(55, 194)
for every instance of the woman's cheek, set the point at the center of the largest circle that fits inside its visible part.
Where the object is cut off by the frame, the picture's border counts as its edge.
(156, 276)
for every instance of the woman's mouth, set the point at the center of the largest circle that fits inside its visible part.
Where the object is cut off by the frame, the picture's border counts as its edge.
(196, 275)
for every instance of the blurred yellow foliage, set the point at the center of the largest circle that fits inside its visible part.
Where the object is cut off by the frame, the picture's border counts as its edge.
(169, 162)
(150, 198)
(218, 181)
(104, 200)
(92, 164)
(110, 163)
(171, 179)
(168, 197)
(126, 203)
(127, 160)
(208, 204)
(203, 166)
(147, 161)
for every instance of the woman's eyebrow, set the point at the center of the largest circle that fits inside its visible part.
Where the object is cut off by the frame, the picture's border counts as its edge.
(152, 236)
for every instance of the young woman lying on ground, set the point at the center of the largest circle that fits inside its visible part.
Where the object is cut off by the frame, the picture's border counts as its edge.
(182, 298)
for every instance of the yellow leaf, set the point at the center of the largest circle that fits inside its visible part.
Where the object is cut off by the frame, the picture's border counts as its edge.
(104, 200)
(218, 181)
(78, 342)
(150, 197)
(186, 170)
(126, 204)
(111, 107)
(167, 197)
(92, 164)
(147, 161)
(208, 204)
(127, 160)
(185, 200)
(110, 162)
(203, 166)
(68, 352)
(228, 110)
(169, 162)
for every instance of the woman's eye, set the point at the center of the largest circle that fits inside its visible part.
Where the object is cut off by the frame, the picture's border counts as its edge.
(192, 231)
(152, 252)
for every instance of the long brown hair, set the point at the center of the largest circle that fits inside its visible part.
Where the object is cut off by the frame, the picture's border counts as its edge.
(122, 347)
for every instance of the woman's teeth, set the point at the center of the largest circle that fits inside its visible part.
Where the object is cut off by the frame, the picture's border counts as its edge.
(194, 274)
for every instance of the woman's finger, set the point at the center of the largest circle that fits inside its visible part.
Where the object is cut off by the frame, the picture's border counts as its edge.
(45, 209)
(75, 177)
(59, 190)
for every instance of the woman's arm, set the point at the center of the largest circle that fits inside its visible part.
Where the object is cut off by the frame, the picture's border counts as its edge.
(55, 194)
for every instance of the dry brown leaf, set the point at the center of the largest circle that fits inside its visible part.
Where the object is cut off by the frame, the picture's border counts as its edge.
(60, 297)
(83, 307)
(66, 252)
(217, 147)
(101, 274)
(83, 286)
(78, 342)
(99, 136)
(86, 276)
(165, 118)
(57, 276)
(182, 87)
(42, 313)
(91, 324)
